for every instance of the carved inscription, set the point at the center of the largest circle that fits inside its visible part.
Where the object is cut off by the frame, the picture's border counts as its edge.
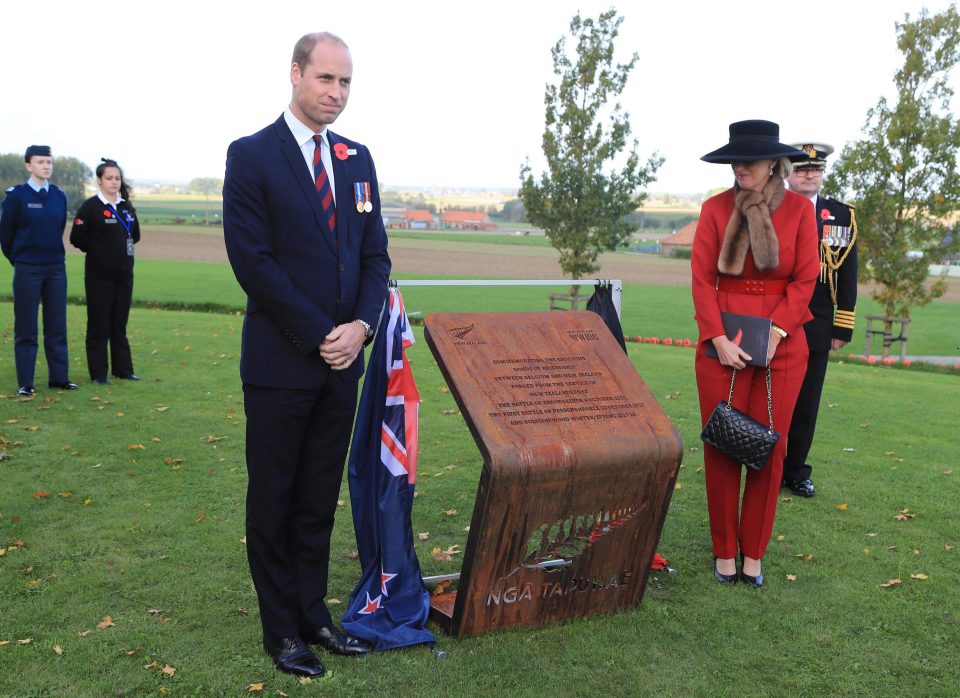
(555, 389)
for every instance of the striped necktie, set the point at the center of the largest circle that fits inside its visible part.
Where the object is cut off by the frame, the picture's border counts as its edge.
(323, 186)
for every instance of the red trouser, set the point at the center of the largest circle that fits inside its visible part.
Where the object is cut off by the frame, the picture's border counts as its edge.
(747, 528)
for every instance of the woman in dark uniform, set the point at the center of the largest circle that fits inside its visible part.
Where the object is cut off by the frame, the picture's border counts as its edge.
(106, 228)
(754, 253)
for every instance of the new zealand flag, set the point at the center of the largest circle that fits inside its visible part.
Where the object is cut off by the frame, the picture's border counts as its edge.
(390, 605)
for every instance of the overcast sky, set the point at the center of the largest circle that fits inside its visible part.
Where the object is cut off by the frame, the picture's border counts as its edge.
(445, 93)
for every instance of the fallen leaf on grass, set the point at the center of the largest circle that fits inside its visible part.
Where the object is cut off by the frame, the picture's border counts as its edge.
(34, 428)
(4, 642)
(172, 461)
(780, 537)
(445, 412)
(947, 547)
(424, 536)
(791, 577)
(449, 512)
(244, 540)
(87, 502)
(891, 583)
(353, 555)
(334, 602)
(58, 649)
(440, 556)
(255, 687)
(341, 502)
(168, 670)
(84, 633)
(842, 506)
(25, 641)
(872, 534)
(201, 517)
(163, 408)
(678, 486)
(213, 439)
(66, 494)
(41, 494)
(904, 516)
(849, 450)
(107, 622)
(151, 665)
(134, 447)
(919, 575)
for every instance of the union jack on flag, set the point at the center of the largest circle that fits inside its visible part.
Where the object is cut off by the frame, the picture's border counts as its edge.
(390, 605)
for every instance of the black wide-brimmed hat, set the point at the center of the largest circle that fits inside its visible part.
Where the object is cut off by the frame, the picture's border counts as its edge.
(753, 140)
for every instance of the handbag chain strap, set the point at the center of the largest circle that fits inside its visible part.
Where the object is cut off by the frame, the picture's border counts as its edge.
(733, 380)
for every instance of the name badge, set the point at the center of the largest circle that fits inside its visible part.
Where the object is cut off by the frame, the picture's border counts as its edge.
(110, 221)
(34, 205)
(129, 247)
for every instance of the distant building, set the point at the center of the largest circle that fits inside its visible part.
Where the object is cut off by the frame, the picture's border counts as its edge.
(419, 219)
(682, 239)
(466, 220)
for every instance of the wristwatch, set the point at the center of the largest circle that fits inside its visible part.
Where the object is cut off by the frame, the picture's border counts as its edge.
(367, 330)
(779, 330)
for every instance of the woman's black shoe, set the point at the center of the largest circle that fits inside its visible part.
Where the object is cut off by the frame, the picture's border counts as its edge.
(755, 582)
(723, 578)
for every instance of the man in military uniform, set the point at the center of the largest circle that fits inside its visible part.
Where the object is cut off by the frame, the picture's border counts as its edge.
(832, 305)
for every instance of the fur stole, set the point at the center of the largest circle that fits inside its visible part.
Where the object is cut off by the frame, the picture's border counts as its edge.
(750, 228)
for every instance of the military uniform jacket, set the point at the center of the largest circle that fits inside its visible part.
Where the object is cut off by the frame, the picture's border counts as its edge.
(836, 225)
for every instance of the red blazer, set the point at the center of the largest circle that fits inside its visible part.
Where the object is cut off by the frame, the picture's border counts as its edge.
(796, 229)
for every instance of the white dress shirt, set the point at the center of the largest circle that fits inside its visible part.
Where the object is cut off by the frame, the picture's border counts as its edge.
(304, 137)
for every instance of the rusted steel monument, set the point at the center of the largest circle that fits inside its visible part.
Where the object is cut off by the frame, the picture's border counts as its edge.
(579, 464)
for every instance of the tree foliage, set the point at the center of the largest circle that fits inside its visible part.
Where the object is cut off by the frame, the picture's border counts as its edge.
(69, 173)
(902, 175)
(581, 201)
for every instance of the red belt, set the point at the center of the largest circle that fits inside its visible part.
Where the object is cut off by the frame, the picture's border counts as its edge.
(752, 287)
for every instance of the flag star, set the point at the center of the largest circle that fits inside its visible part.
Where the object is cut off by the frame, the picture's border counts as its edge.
(384, 578)
(373, 605)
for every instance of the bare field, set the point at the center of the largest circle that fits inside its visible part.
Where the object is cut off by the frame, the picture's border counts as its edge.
(445, 258)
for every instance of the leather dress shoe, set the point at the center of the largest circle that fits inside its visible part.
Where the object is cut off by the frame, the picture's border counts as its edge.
(66, 385)
(128, 377)
(755, 582)
(723, 578)
(291, 656)
(25, 391)
(337, 642)
(800, 486)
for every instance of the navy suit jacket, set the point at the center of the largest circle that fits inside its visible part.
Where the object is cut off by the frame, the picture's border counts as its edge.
(300, 282)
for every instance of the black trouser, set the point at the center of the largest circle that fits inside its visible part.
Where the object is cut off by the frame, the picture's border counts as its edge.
(297, 443)
(804, 423)
(108, 308)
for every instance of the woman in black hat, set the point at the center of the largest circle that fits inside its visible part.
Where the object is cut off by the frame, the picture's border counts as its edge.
(106, 228)
(754, 253)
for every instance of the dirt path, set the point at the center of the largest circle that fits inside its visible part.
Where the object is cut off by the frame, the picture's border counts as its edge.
(444, 258)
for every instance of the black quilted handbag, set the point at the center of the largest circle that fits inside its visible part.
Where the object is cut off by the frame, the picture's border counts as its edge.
(738, 435)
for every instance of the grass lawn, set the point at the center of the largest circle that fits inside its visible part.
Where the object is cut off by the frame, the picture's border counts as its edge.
(127, 501)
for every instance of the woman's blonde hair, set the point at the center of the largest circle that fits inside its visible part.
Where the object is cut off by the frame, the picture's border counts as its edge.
(784, 167)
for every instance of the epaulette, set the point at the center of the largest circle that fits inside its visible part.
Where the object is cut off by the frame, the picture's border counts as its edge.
(10, 189)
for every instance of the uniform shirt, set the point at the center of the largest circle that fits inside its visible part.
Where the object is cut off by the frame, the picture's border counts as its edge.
(32, 223)
(97, 232)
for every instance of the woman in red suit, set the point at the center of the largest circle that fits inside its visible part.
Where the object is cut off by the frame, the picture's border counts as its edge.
(754, 253)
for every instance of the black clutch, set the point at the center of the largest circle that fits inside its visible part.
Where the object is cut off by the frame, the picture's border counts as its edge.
(738, 435)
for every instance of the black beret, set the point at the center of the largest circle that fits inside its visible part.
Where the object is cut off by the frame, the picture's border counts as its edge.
(37, 150)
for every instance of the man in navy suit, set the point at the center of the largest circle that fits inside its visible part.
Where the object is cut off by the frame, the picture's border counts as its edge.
(306, 241)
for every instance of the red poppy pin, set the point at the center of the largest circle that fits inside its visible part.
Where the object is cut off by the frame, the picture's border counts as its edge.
(825, 215)
(107, 214)
(78, 222)
(340, 150)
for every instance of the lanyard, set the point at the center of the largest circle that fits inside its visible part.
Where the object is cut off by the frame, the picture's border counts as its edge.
(126, 225)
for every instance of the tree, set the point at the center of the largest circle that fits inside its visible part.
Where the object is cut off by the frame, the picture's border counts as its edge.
(903, 175)
(582, 200)
(69, 174)
(72, 176)
(206, 186)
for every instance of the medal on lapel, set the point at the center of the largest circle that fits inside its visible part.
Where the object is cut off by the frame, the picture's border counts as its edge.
(361, 193)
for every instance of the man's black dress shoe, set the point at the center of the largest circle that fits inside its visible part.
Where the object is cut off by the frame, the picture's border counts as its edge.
(337, 642)
(63, 386)
(128, 377)
(801, 486)
(25, 391)
(293, 657)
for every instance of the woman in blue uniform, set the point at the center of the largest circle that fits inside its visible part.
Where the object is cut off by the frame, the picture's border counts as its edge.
(106, 228)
